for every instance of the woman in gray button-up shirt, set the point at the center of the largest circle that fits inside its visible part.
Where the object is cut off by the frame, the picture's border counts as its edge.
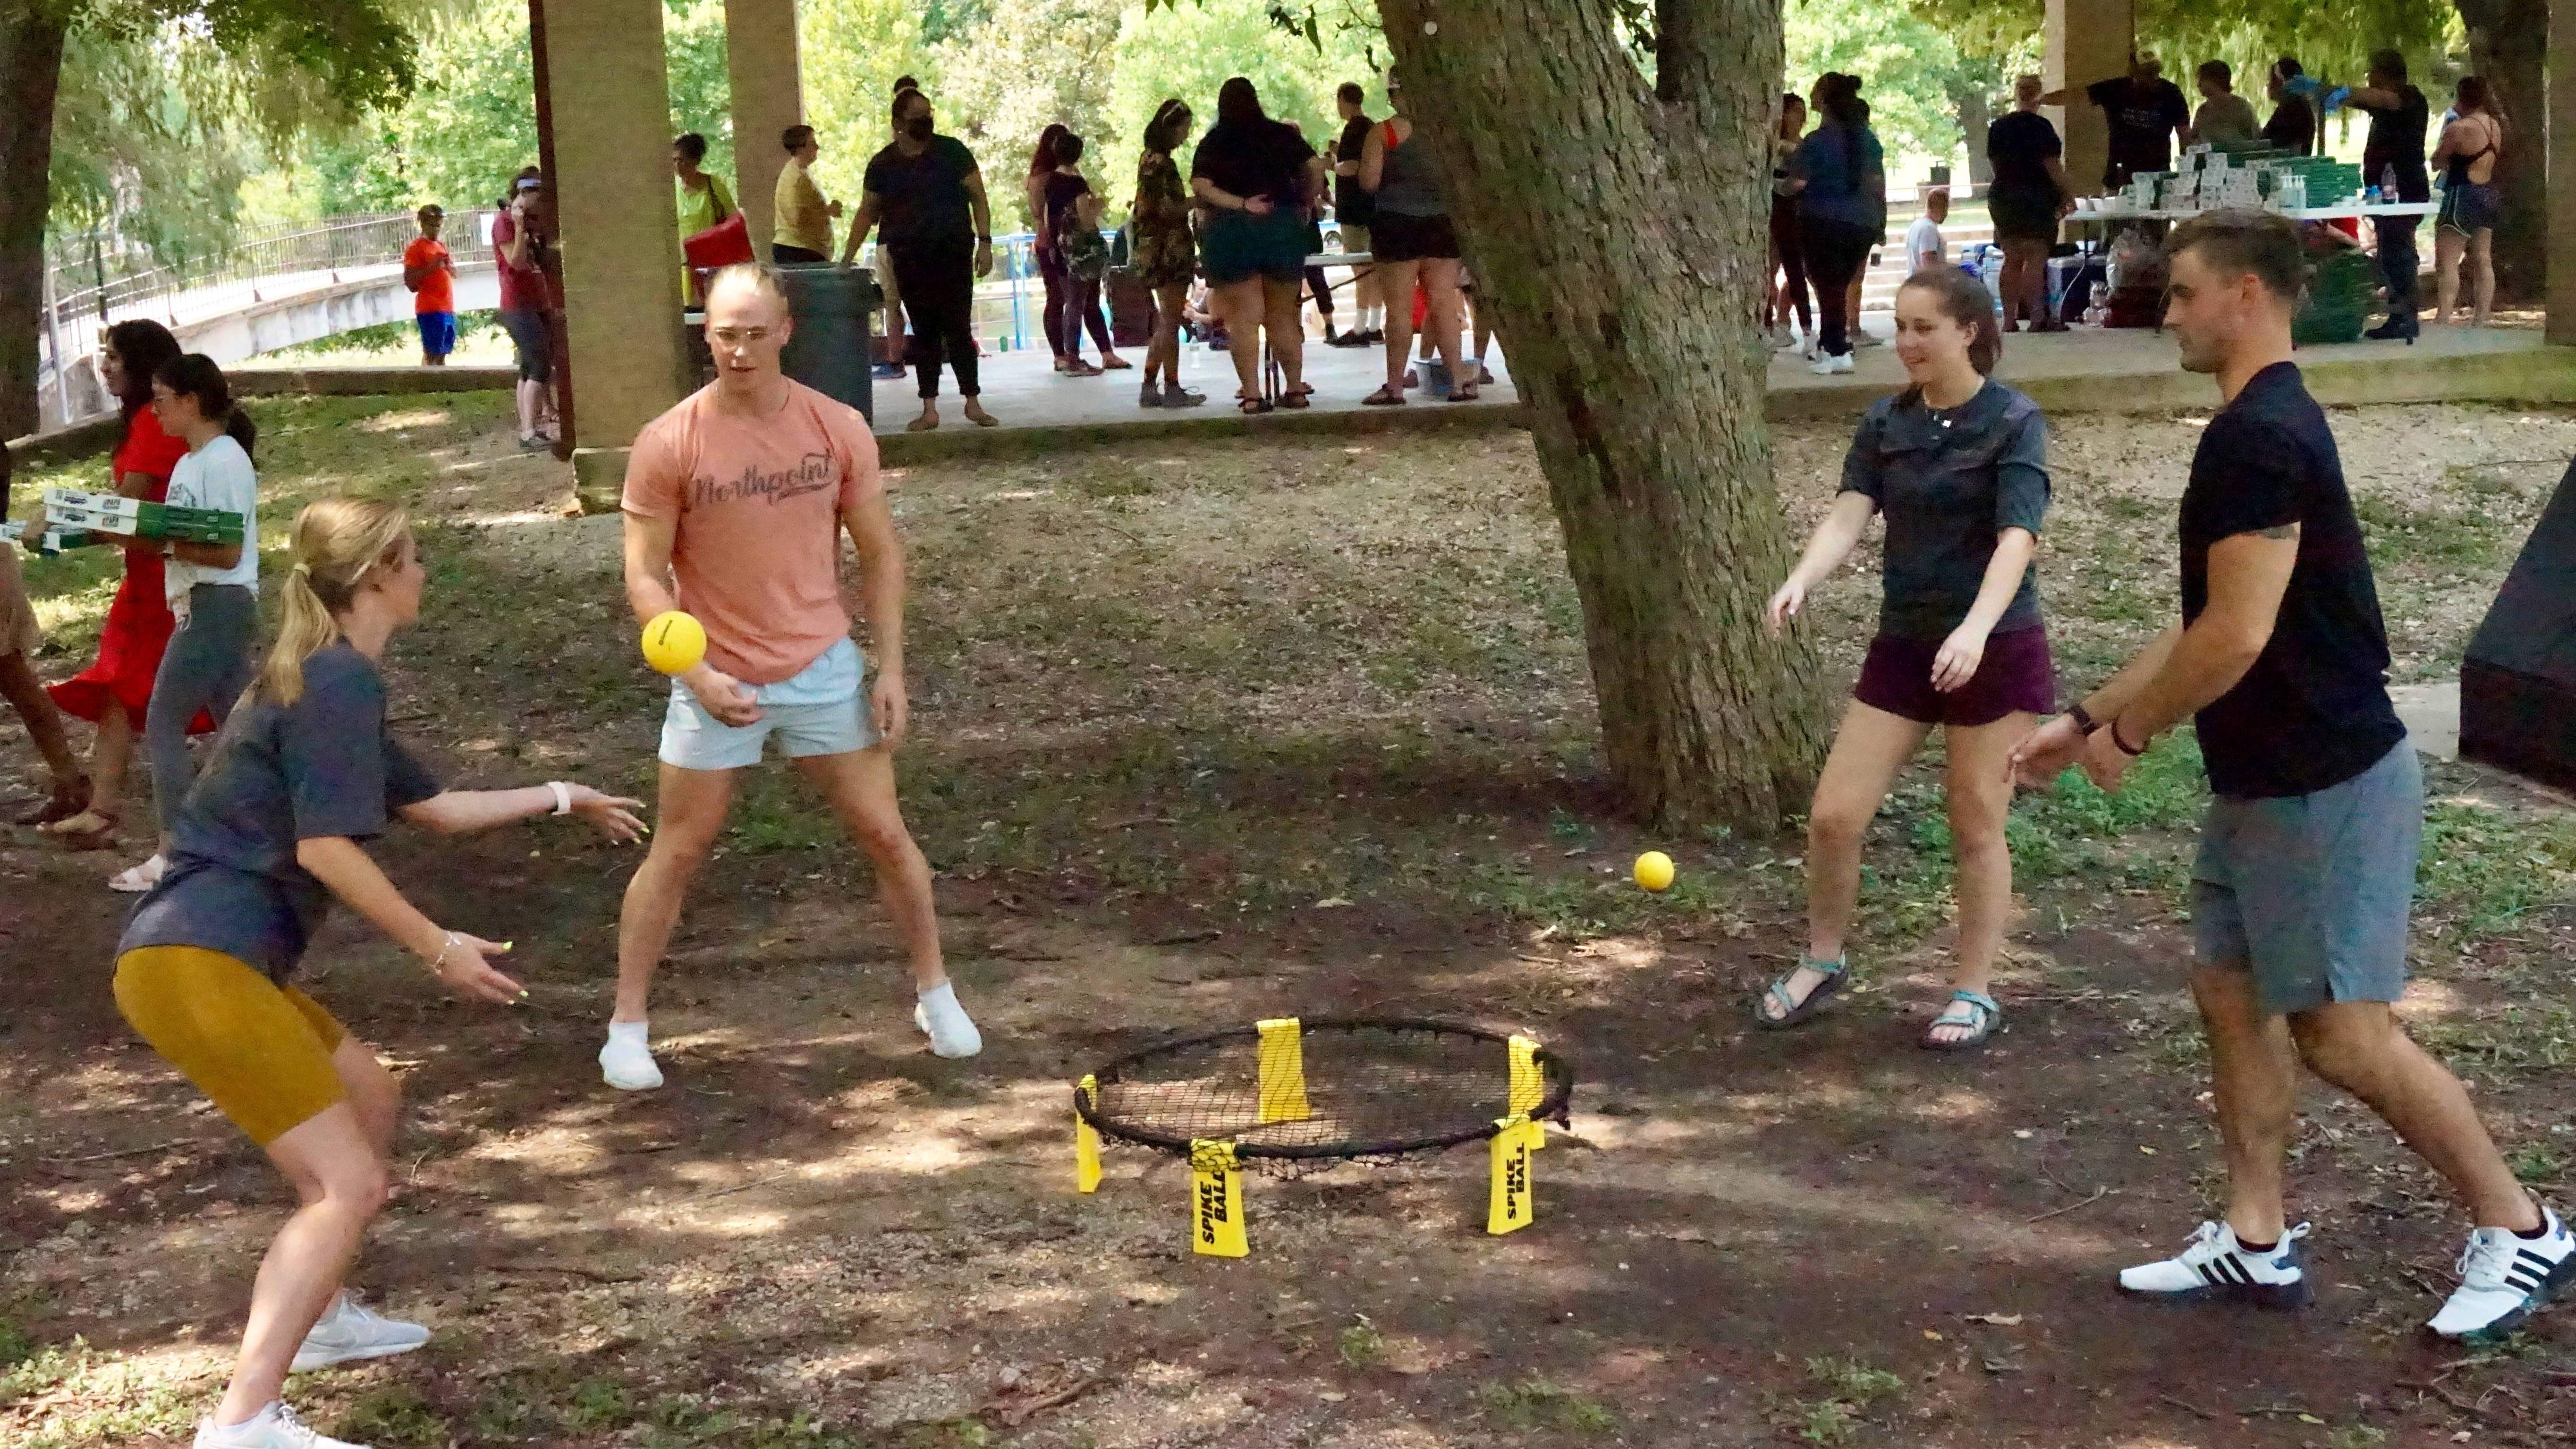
(1959, 464)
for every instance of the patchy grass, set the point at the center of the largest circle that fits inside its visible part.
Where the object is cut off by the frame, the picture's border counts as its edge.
(1361, 1345)
(1204, 733)
(1538, 1404)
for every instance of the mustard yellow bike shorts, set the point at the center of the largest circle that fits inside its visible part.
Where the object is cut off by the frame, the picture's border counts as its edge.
(261, 1051)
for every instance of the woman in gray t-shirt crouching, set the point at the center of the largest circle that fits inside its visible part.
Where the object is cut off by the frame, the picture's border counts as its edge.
(1959, 464)
(304, 772)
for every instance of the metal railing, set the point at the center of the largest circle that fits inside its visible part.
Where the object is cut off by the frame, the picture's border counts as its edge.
(86, 294)
(80, 285)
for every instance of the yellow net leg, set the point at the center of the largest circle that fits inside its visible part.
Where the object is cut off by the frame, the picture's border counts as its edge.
(1509, 1206)
(1086, 1143)
(1528, 1086)
(1283, 1071)
(1216, 1201)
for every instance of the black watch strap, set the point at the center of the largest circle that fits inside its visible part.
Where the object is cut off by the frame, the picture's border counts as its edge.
(2122, 745)
(2083, 717)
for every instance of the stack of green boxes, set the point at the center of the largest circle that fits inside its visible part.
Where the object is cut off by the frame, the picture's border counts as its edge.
(67, 508)
(2328, 180)
(49, 542)
(2341, 285)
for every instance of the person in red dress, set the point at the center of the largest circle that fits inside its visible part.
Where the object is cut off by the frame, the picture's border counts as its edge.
(112, 692)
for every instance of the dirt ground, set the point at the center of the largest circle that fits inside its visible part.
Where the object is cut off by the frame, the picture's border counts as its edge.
(1213, 732)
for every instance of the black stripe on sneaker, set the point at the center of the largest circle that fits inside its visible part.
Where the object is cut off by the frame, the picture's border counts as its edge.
(2209, 1274)
(2235, 1270)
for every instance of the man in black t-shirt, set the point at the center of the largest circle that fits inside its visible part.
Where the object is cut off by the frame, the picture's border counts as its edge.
(2144, 111)
(2307, 859)
(1351, 212)
(2394, 153)
(928, 193)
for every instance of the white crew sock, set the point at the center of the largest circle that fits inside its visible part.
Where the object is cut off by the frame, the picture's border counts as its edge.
(626, 1063)
(952, 1032)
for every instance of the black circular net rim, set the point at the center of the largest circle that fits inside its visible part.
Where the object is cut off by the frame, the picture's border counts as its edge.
(1554, 1105)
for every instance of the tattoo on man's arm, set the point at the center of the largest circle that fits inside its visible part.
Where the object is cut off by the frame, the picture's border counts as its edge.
(2286, 530)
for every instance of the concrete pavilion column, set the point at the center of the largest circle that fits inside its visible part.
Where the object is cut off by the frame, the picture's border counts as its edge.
(768, 97)
(2088, 40)
(619, 229)
(2562, 171)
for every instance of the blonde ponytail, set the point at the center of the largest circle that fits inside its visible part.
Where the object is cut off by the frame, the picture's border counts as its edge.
(335, 542)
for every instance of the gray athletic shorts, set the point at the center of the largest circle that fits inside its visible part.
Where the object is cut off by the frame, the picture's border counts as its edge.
(2311, 892)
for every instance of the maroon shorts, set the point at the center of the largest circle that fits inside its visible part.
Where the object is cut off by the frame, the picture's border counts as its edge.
(2015, 676)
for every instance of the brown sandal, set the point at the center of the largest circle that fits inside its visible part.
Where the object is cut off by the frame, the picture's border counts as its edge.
(1388, 395)
(98, 837)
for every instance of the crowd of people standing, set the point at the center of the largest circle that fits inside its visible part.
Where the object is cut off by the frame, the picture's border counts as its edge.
(1224, 238)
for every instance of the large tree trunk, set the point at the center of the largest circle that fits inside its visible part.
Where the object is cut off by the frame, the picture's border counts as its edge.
(2508, 41)
(31, 65)
(1968, 98)
(1973, 88)
(1619, 233)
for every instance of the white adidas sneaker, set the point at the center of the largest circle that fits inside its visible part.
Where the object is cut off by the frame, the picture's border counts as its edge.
(274, 1427)
(349, 1332)
(2214, 1266)
(2504, 1276)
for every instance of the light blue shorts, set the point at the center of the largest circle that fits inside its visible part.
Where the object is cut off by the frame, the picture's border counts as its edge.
(821, 710)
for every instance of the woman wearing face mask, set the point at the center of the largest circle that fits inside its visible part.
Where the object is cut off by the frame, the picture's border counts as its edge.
(929, 193)
(1959, 464)
(305, 774)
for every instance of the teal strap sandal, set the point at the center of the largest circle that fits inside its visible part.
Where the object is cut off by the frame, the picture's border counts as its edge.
(1981, 1017)
(1793, 1011)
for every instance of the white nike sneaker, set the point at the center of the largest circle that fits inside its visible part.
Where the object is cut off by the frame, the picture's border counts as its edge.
(349, 1331)
(1832, 364)
(2503, 1277)
(2213, 1266)
(626, 1063)
(952, 1033)
(274, 1427)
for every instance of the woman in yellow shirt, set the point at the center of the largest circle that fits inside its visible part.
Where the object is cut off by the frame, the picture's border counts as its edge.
(703, 200)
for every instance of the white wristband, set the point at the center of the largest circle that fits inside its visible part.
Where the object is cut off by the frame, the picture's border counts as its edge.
(563, 796)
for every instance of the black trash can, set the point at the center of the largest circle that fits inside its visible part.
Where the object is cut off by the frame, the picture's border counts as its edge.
(830, 351)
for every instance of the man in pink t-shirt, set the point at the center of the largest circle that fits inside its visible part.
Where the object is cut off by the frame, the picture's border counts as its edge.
(735, 504)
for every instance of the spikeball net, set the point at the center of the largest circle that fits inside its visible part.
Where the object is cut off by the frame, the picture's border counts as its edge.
(1286, 1092)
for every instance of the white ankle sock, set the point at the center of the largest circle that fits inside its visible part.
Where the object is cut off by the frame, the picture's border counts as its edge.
(628, 1031)
(952, 1031)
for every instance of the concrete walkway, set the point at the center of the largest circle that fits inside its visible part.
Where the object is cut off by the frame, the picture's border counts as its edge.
(2124, 370)
(1023, 389)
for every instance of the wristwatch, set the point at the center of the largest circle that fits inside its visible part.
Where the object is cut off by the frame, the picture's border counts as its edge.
(2083, 717)
(2123, 745)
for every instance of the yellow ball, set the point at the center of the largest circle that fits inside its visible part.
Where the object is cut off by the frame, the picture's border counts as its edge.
(1655, 870)
(674, 642)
